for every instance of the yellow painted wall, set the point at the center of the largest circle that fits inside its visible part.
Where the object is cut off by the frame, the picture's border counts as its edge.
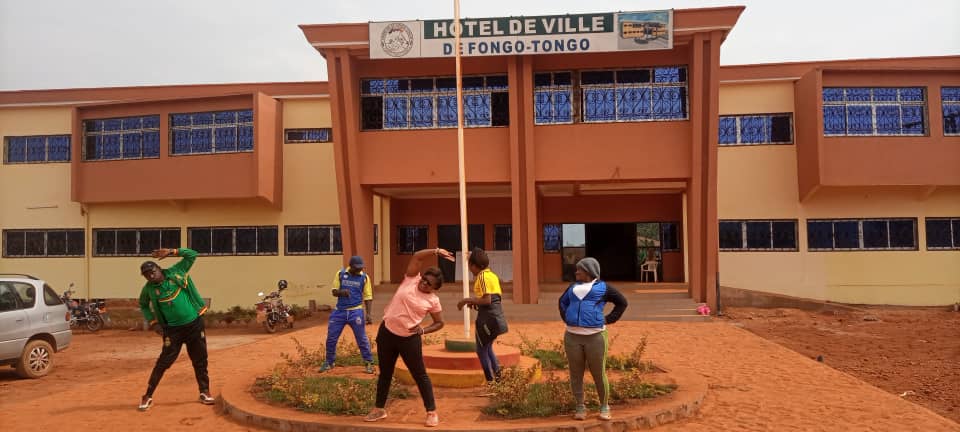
(38, 195)
(760, 182)
(310, 198)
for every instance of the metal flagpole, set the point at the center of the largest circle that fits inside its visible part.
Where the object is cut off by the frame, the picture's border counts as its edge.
(462, 169)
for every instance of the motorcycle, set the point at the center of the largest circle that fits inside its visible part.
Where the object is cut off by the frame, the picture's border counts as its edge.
(271, 312)
(84, 313)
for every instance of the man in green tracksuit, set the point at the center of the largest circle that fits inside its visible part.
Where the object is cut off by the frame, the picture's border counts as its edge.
(177, 307)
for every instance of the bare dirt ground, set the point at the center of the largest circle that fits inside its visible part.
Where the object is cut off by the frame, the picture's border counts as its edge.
(909, 352)
(754, 384)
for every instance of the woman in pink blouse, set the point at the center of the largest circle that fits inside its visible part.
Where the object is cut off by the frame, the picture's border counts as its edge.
(400, 332)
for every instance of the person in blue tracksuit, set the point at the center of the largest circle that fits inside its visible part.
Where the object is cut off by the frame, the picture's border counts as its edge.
(352, 288)
(585, 341)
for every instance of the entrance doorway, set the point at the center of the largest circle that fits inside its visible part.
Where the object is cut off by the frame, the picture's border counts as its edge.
(448, 237)
(624, 250)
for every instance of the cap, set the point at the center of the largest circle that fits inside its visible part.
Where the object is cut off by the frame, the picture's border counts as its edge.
(356, 262)
(148, 265)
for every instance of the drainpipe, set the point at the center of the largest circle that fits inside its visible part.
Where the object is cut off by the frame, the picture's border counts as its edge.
(719, 311)
(87, 242)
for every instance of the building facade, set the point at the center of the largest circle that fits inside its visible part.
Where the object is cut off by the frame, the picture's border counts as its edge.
(828, 180)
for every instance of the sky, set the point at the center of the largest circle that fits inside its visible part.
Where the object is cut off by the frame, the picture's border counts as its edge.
(107, 43)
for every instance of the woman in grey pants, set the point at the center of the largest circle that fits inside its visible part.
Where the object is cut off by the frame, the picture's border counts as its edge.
(585, 341)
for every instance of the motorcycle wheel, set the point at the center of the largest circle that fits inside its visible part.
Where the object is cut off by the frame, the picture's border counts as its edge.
(94, 323)
(270, 326)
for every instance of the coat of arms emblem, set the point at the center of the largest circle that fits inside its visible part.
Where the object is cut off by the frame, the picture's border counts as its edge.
(396, 39)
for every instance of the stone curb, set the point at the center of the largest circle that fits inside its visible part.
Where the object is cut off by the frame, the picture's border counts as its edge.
(237, 403)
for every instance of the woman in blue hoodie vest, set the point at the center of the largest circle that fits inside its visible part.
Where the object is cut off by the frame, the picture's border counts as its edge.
(585, 341)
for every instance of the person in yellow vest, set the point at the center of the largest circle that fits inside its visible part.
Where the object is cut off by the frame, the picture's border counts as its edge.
(488, 304)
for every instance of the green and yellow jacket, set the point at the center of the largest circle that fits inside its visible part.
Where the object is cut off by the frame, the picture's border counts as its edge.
(175, 301)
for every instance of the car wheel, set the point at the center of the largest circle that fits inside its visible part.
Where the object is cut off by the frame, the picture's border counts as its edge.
(36, 359)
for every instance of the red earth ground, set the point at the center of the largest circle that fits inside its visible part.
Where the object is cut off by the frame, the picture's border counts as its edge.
(911, 352)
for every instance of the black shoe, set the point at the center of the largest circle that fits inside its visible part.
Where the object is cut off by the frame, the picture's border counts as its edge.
(206, 399)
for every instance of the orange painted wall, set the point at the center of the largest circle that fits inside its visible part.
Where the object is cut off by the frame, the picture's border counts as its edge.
(612, 208)
(430, 156)
(808, 132)
(215, 176)
(442, 211)
(861, 161)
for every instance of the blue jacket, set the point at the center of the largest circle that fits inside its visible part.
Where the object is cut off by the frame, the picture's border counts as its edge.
(588, 312)
(356, 285)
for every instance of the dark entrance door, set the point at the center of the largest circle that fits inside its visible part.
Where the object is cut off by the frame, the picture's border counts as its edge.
(615, 246)
(448, 237)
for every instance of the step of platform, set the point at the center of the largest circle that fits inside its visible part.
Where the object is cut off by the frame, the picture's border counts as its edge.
(435, 357)
(459, 378)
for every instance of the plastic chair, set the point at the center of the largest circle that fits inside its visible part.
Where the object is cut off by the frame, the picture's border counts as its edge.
(648, 267)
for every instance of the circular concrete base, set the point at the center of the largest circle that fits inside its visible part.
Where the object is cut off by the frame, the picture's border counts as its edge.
(460, 345)
(460, 411)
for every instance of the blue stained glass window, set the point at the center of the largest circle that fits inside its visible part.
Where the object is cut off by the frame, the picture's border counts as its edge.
(633, 103)
(859, 119)
(16, 150)
(209, 132)
(201, 140)
(111, 147)
(950, 106)
(245, 137)
(752, 130)
(36, 149)
(891, 111)
(599, 105)
(551, 238)
(151, 144)
(120, 138)
(666, 75)
(476, 109)
(58, 148)
(888, 119)
(447, 110)
(181, 141)
(728, 130)
(225, 139)
(132, 145)
(422, 111)
(395, 112)
(833, 95)
(668, 103)
(542, 107)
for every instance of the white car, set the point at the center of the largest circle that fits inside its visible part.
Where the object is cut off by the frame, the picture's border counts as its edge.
(34, 325)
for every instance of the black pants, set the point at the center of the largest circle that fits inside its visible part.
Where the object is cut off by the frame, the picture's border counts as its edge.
(410, 349)
(174, 338)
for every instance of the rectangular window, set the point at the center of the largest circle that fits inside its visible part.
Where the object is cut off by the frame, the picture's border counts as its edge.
(133, 241)
(950, 101)
(669, 236)
(503, 237)
(645, 94)
(943, 233)
(122, 138)
(211, 132)
(868, 111)
(862, 234)
(430, 103)
(253, 240)
(411, 238)
(756, 129)
(313, 240)
(36, 243)
(552, 237)
(313, 135)
(36, 149)
(553, 98)
(758, 235)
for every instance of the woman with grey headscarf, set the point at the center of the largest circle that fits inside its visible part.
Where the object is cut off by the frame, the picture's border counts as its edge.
(585, 341)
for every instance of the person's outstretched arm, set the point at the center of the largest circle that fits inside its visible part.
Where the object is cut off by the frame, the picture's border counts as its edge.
(416, 261)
